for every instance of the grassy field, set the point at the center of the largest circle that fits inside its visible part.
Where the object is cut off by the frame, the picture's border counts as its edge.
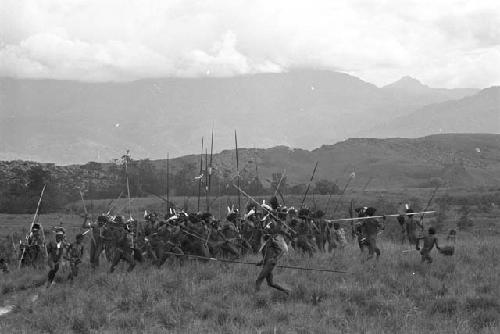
(397, 294)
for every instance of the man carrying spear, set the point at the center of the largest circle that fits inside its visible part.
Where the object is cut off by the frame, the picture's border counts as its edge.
(272, 250)
(35, 241)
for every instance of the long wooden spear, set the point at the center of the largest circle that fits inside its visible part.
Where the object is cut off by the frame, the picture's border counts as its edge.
(153, 194)
(327, 207)
(210, 169)
(237, 169)
(83, 202)
(282, 177)
(91, 176)
(38, 207)
(254, 263)
(200, 175)
(367, 183)
(309, 185)
(391, 215)
(429, 204)
(206, 180)
(128, 185)
(110, 204)
(33, 223)
(220, 217)
(168, 183)
(256, 163)
(277, 190)
(14, 248)
(351, 214)
(432, 196)
(351, 177)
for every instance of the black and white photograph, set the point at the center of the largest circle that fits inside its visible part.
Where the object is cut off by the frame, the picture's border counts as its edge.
(249, 166)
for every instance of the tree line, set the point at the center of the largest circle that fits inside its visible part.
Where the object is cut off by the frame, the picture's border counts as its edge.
(97, 181)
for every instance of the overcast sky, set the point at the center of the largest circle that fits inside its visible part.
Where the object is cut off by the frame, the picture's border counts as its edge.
(444, 43)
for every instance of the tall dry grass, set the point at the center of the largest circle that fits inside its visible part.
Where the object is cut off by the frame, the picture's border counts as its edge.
(397, 294)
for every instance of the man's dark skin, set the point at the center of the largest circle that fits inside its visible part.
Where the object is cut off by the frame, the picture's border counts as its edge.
(271, 252)
(75, 253)
(430, 241)
(55, 252)
(371, 227)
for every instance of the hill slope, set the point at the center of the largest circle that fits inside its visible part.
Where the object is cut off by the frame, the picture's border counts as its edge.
(473, 114)
(460, 160)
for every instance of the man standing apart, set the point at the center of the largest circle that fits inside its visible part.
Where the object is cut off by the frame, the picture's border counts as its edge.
(271, 252)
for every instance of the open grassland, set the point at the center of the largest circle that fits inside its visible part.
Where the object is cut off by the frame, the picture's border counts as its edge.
(397, 294)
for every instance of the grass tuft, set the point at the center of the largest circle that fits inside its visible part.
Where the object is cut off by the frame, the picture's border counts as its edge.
(447, 306)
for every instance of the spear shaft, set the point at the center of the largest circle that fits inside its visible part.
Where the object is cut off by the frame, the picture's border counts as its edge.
(282, 177)
(209, 172)
(432, 196)
(369, 217)
(429, 204)
(206, 180)
(256, 163)
(128, 185)
(343, 193)
(168, 183)
(38, 207)
(201, 171)
(110, 207)
(255, 263)
(367, 183)
(309, 184)
(83, 201)
(237, 168)
(33, 223)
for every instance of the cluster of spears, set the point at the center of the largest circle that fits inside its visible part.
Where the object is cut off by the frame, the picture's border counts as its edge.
(268, 228)
(180, 235)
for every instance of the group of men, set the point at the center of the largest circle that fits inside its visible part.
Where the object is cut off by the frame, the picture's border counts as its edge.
(267, 228)
(35, 252)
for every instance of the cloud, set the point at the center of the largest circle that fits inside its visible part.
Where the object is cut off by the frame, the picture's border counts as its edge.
(444, 43)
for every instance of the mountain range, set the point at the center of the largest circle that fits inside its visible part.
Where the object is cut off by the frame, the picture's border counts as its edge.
(70, 122)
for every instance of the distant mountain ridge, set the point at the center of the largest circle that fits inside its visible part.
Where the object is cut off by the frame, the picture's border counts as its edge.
(74, 122)
(472, 114)
(411, 86)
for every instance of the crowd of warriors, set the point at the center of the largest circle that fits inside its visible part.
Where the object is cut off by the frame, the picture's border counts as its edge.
(265, 228)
